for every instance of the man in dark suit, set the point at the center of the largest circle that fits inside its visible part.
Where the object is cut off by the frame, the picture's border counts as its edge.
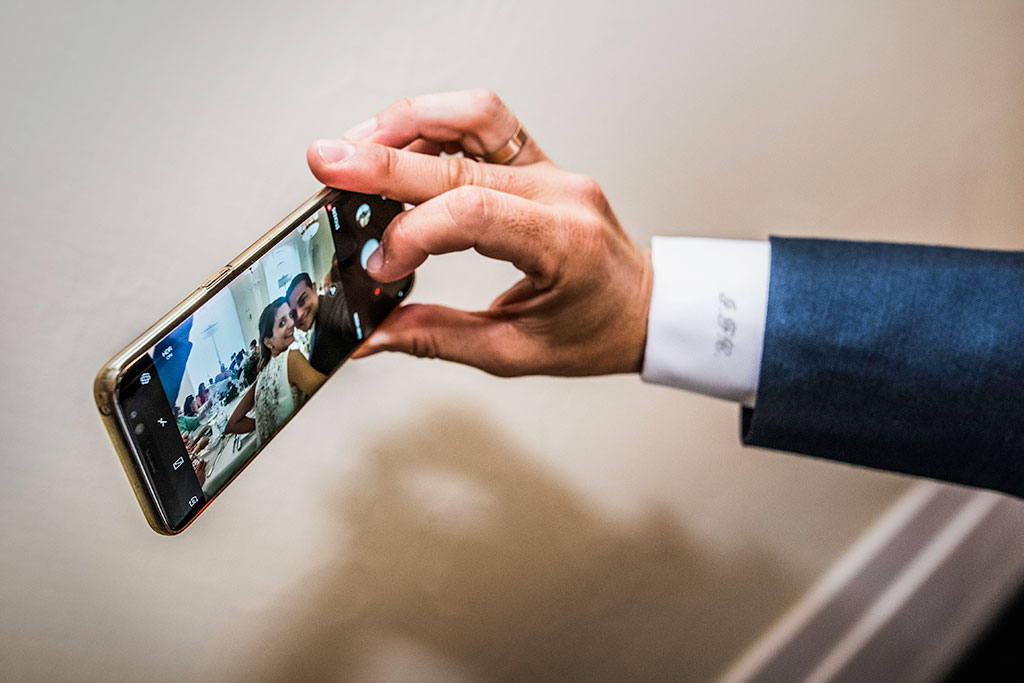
(325, 318)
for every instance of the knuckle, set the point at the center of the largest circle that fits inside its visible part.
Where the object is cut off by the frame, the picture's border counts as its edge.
(397, 112)
(469, 204)
(416, 336)
(405, 105)
(387, 162)
(459, 172)
(423, 346)
(586, 189)
(485, 103)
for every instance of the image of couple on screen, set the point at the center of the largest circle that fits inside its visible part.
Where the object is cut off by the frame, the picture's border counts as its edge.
(303, 336)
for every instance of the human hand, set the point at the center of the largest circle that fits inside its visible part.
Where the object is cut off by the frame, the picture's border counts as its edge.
(581, 308)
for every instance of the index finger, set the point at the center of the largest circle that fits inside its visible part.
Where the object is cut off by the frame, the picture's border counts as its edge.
(409, 176)
(495, 224)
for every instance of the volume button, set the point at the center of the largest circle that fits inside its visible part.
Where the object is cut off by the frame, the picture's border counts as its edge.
(217, 277)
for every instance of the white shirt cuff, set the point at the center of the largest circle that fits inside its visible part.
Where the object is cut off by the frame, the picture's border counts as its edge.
(705, 329)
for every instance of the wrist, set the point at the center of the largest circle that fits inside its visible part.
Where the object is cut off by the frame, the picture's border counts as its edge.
(642, 311)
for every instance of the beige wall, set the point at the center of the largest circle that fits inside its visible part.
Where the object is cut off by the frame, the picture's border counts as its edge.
(420, 520)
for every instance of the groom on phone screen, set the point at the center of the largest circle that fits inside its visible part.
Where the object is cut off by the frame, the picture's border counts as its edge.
(325, 319)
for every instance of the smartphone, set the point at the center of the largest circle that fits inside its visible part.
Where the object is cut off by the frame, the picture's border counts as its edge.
(193, 400)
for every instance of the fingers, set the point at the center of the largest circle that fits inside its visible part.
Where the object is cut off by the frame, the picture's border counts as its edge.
(477, 120)
(472, 338)
(405, 175)
(498, 225)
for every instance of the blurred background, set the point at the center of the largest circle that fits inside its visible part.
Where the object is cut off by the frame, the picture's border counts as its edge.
(419, 520)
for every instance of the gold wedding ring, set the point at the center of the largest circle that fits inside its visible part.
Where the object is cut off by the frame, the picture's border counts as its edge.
(509, 151)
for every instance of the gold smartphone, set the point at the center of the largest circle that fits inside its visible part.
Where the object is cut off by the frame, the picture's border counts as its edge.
(194, 398)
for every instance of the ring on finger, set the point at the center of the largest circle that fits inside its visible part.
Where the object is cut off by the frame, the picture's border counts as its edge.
(509, 151)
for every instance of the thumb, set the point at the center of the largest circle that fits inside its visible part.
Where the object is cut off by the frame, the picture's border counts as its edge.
(480, 338)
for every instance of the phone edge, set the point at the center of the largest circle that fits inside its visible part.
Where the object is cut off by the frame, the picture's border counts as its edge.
(108, 379)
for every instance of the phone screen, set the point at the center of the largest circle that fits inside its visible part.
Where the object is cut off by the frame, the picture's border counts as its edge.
(207, 397)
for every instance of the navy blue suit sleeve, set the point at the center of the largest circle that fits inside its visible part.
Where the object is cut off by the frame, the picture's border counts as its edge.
(901, 357)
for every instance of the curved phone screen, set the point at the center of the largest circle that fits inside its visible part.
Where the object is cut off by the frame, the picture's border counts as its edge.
(215, 390)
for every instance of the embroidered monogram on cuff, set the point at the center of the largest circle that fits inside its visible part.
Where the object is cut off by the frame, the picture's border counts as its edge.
(705, 329)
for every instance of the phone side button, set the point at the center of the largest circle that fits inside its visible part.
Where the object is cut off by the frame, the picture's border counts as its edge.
(217, 277)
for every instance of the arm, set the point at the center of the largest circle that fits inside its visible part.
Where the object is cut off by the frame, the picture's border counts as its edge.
(921, 372)
(902, 357)
(302, 374)
(239, 422)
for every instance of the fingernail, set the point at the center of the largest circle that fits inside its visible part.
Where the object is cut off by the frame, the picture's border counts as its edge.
(376, 260)
(375, 344)
(362, 130)
(334, 151)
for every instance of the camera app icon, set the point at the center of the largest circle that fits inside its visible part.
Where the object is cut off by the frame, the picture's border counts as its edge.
(363, 215)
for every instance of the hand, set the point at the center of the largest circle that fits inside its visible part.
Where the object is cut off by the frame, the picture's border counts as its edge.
(581, 308)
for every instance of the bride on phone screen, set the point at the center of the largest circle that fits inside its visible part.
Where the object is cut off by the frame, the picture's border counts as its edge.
(284, 380)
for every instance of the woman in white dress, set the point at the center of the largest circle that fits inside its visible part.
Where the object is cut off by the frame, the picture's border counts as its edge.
(284, 380)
